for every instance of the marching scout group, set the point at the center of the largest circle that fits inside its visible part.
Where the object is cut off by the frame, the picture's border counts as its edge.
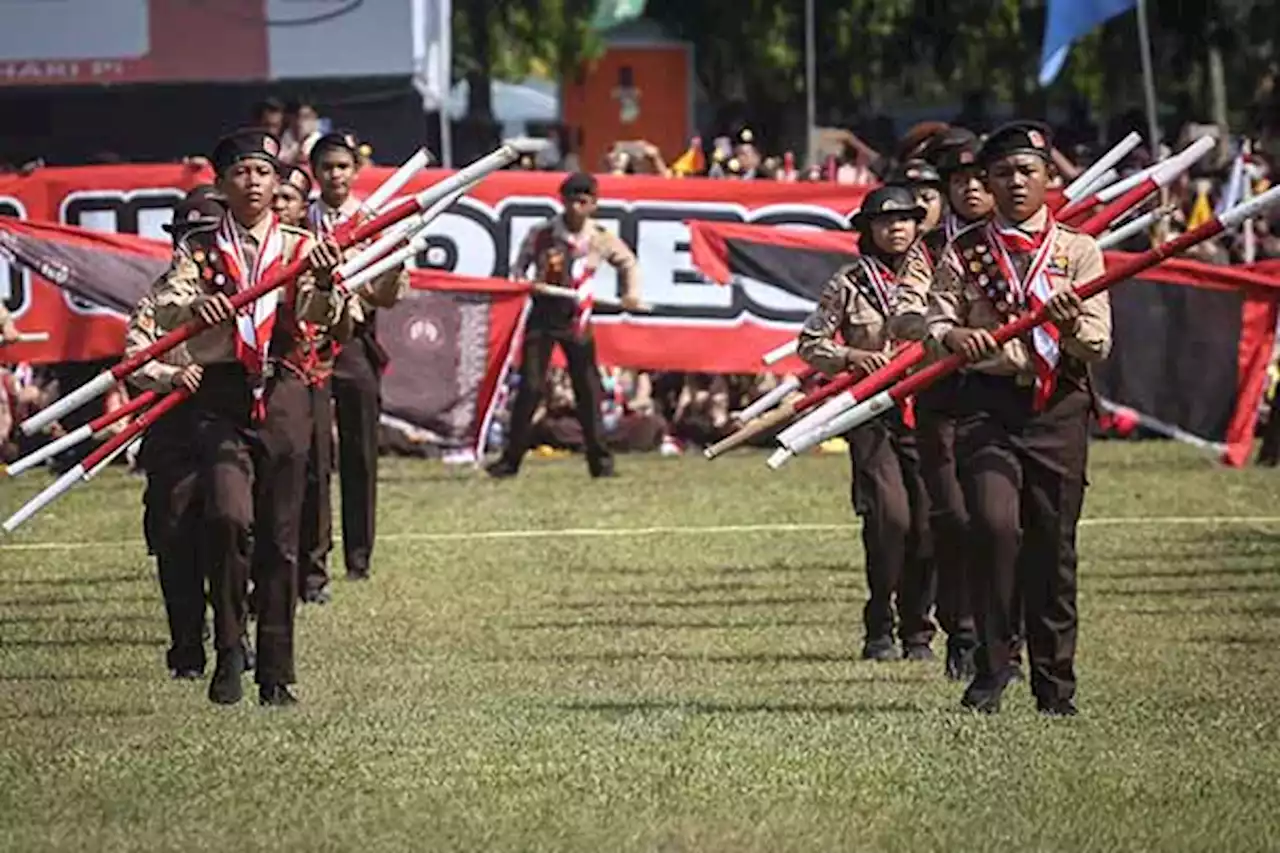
(970, 496)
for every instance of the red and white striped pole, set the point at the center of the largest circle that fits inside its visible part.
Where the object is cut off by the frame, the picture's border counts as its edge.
(82, 433)
(885, 400)
(506, 154)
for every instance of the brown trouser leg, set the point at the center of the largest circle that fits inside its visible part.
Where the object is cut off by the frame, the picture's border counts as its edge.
(358, 397)
(316, 540)
(172, 523)
(282, 473)
(948, 518)
(889, 495)
(1024, 481)
(584, 374)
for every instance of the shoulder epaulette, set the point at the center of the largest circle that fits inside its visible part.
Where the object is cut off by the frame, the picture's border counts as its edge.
(295, 230)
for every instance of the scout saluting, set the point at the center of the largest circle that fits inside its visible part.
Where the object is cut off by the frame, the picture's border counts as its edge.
(849, 330)
(1022, 415)
(968, 201)
(246, 446)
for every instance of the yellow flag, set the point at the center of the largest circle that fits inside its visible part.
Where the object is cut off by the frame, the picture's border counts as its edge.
(1201, 211)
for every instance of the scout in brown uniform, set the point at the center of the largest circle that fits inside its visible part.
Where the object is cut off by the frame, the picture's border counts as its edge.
(1022, 415)
(566, 251)
(292, 200)
(850, 330)
(968, 201)
(357, 370)
(922, 178)
(249, 433)
(171, 519)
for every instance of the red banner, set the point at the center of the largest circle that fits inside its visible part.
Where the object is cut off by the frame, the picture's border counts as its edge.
(695, 324)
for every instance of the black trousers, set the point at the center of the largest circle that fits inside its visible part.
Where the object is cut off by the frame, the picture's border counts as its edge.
(172, 522)
(890, 496)
(580, 356)
(357, 395)
(948, 516)
(316, 534)
(1023, 474)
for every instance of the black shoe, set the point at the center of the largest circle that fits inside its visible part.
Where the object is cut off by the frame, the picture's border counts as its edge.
(502, 469)
(186, 673)
(918, 652)
(602, 469)
(1059, 708)
(984, 692)
(318, 595)
(276, 696)
(357, 574)
(881, 650)
(961, 664)
(225, 687)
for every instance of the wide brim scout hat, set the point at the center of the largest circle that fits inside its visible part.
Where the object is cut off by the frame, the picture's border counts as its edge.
(342, 139)
(889, 200)
(204, 205)
(1017, 137)
(248, 144)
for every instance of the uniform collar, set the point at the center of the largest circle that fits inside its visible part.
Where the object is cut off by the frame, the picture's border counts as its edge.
(562, 230)
(258, 232)
(346, 209)
(1032, 226)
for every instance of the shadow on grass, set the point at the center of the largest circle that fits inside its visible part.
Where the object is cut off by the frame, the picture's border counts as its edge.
(694, 603)
(79, 714)
(780, 568)
(654, 624)
(1206, 572)
(63, 642)
(1189, 591)
(1260, 611)
(53, 601)
(71, 677)
(704, 706)
(1261, 641)
(686, 657)
(101, 580)
(103, 618)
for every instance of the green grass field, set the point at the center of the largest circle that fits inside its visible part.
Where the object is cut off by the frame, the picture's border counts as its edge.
(674, 672)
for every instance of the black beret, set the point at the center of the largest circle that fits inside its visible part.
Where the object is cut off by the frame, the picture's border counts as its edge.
(204, 205)
(579, 183)
(954, 149)
(888, 200)
(1017, 137)
(298, 179)
(244, 145)
(343, 139)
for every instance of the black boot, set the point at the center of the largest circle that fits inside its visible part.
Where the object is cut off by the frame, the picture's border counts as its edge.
(225, 687)
(985, 691)
(880, 649)
(275, 696)
(502, 469)
(961, 665)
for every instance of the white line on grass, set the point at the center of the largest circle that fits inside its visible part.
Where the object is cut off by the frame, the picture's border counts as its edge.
(687, 530)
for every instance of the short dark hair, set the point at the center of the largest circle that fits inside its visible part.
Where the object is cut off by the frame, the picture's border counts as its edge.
(579, 183)
(267, 105)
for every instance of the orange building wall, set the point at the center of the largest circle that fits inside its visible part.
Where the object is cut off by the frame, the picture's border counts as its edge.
(661, 74)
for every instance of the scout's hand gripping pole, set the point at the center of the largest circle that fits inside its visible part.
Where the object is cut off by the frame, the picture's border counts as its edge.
(395, 213)
(885, 400)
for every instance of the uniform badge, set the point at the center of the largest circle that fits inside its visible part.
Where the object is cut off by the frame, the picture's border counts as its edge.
(147, 323)
(213, 256)
(219, 279)
(984, 280)
(198, 256)
(1003, 307)
(1058, 265)
(984, 250)
(207, 273)
(975, 267)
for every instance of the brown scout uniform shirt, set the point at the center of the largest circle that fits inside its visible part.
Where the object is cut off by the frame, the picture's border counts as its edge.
(548, 248)
(956, 300)
(176, 294)
(850, 308)
(158, 374)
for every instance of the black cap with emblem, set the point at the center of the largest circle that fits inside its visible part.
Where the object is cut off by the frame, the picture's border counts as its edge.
(298, 179)
(344, 140)
(1017, 137)
(954, 151)
(245, 144)
(204, 205)
(914, 173)
(888, 200)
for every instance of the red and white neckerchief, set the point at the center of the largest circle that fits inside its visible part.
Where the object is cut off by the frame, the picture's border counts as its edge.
(1032, 291)
(582, 273)
(883, 282)
(255, 326)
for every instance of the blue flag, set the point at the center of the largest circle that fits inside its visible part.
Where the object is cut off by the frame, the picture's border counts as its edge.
(1065, 22)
